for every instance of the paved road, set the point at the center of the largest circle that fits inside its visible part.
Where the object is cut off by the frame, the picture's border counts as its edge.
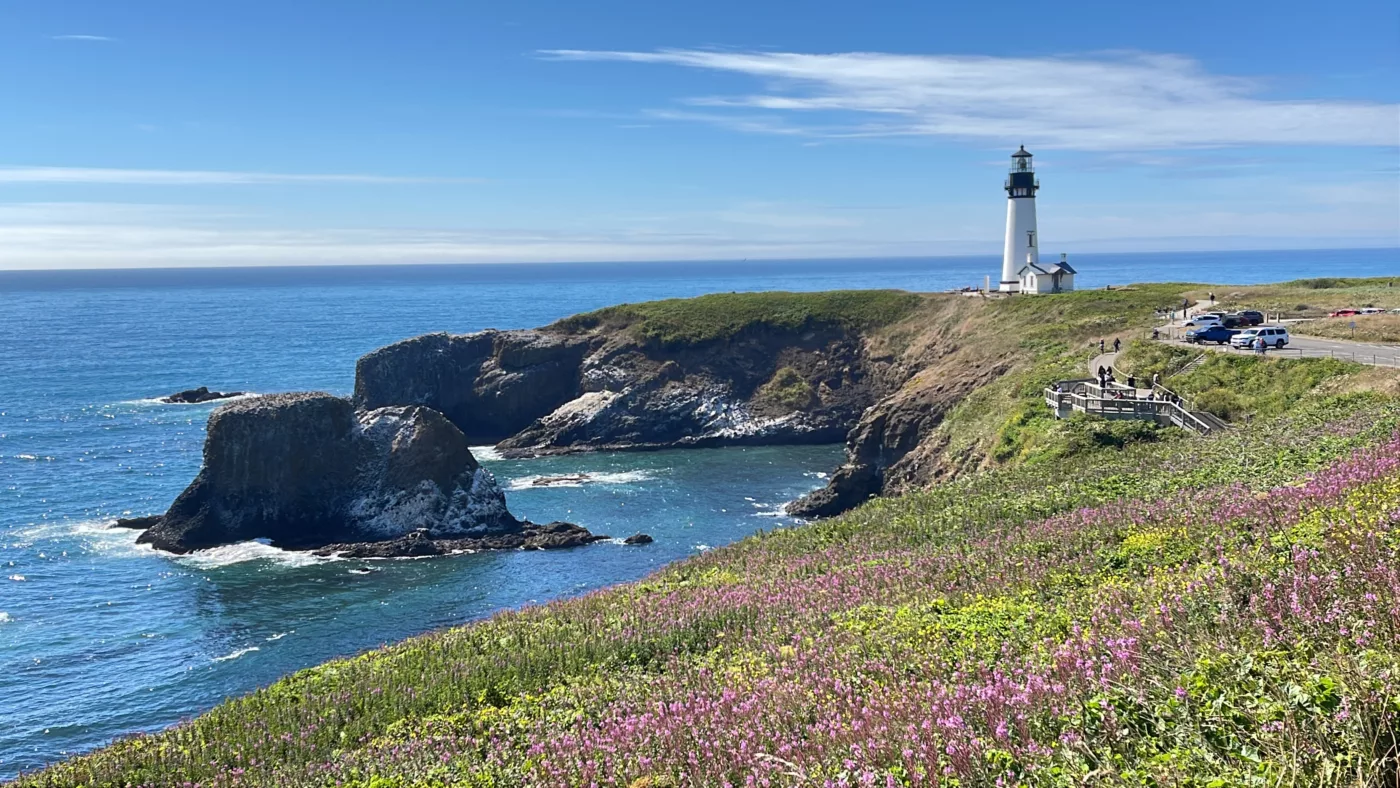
(1306, 347)
(1300, 346)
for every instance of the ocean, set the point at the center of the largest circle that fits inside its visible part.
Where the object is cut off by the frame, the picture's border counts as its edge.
(99, 637)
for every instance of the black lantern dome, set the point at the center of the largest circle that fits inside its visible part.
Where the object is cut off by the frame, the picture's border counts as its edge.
(1022, 182)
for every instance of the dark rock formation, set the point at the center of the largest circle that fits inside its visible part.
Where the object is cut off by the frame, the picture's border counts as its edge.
(307, 470)
(548, 392)
(137, 523)
(491, 384)
(421, 543)
(638, 539)
(196, 396)
(895, 445)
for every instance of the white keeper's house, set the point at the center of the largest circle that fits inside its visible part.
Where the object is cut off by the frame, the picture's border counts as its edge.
(1039, 278)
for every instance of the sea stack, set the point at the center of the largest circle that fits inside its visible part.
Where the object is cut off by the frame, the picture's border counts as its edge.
(307, 470)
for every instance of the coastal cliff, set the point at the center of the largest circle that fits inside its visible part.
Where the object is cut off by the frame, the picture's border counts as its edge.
(876, 369)
(922, 388)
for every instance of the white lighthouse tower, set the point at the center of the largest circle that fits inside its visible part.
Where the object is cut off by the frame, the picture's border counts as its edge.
(1022, 246)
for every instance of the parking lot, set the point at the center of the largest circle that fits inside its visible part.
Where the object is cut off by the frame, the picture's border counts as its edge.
(1300, 346)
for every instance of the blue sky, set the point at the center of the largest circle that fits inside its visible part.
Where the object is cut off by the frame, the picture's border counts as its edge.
(149, 133)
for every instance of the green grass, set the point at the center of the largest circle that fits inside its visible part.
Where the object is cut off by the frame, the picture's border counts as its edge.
(679, 322)
(1233, 386)
(1307, 297)
(1383, 328)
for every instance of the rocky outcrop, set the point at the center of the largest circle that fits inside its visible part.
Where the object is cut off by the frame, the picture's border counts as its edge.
(308, 470)
(897, 443)
(588, 386)
(421, 543)
(196, 396)
(490, 384)
(550, 392)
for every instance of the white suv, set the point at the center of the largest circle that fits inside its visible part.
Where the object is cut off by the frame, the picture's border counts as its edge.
(1274, 336)
(1207, 319)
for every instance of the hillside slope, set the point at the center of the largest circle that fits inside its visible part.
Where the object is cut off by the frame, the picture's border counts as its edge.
(1190, 613)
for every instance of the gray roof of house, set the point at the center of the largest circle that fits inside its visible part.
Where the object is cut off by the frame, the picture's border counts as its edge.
(1054, 268)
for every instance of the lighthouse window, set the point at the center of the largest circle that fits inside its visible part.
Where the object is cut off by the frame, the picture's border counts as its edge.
(1030, 238)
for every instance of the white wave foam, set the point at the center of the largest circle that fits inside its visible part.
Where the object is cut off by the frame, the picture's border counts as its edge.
(816, 474)
(235, 654)
(97, 535)
(258, 550)
(280, 635)
(212, 402)
(577, 479)
(770, 513)
(5, 617)
(486, 454)
(17, 578)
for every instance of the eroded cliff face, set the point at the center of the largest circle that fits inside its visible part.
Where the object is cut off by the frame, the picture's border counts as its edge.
(548, 392)
(552, 390)
(895, 445)
(490, 384)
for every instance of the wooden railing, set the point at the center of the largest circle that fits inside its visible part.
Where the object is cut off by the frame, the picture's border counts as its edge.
(1117, 401)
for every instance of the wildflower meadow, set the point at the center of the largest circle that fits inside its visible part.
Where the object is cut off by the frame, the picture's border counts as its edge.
(1192, 613)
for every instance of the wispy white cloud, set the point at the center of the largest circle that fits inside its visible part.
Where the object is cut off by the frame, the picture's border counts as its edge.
(1101, 102)
(81, 38)
(195, 177)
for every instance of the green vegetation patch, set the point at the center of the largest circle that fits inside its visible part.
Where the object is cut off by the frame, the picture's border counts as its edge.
(787, 389)
(679, 322)
(1232, 385)
(1368, 328)
(1308, 297)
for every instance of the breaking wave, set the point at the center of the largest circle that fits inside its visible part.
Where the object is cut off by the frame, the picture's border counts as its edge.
(486, 453)
(212, 403)
(257, 550)
(235, 654)
(577, 479)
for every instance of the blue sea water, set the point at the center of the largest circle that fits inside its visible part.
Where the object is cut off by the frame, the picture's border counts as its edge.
(99, 637)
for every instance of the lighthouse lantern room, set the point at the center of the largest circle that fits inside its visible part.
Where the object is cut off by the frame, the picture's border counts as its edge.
(1021, 243)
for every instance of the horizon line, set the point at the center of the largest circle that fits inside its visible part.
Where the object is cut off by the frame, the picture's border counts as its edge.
(460, 264)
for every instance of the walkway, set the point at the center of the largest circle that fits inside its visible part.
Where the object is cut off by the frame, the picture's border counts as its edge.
(1117, 401)
(1105, 360)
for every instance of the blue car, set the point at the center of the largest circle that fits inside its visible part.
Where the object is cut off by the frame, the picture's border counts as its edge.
(1217, 334)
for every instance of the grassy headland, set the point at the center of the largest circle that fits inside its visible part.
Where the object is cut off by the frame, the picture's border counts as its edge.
(690, 321)
(1096, 607)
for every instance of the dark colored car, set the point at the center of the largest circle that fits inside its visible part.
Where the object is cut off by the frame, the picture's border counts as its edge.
(1252, 318)
(1217, 334)
(1234, 320)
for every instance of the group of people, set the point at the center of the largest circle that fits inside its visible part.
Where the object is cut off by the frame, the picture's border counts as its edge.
(1117, 343)
(1130, 389)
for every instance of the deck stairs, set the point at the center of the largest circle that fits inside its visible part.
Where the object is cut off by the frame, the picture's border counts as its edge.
(1117, 401)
